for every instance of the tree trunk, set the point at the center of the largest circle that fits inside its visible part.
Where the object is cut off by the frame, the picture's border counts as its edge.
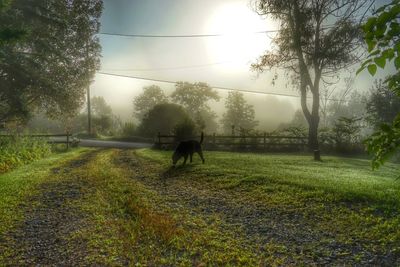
(313, 143)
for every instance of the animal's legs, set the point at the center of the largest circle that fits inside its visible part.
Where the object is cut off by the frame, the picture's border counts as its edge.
(201, 156)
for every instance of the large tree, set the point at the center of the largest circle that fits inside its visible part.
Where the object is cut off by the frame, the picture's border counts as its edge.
(151, 96)
(162, 118)
(238, 113)
(100, 107)
(194, 97)
(52, 65)
(317, 39)
(8, 34)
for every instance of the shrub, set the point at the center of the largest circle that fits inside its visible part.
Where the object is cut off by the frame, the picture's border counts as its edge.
(162, 118)
(128, 129)
(17, 150)
(184, 130)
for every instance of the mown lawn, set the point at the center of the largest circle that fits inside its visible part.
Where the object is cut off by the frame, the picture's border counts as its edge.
(333, 179)
(238, 209)
(350, 210)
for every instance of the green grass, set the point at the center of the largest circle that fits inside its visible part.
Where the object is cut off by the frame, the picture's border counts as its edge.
(335, 178)
(18, 150)
(140, 211)
(128, 224)
(340, 197)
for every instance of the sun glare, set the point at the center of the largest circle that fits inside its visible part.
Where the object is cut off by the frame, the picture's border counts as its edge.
(240, 44)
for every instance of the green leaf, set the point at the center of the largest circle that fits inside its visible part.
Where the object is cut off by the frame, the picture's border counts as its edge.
(380, 31)
(397, 62)
(382, 8)
(376, 52)
(371, 45)
(372, 69)
(389, 53)
(383, 18)
(368, 26)
(394, 11)
(380, 61)
(360, 70)
(397, 47)
(366, 62)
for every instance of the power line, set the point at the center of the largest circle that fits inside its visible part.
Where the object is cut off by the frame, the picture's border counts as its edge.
(172, 68)
(180, 36)
(194, 35)
(215, 87)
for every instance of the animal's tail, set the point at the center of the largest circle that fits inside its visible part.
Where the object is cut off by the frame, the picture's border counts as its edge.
(201, 138)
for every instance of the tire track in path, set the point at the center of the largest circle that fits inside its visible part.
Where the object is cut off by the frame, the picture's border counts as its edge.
(42, 238)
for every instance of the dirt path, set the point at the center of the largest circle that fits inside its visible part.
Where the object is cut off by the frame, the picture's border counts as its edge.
(42, 238)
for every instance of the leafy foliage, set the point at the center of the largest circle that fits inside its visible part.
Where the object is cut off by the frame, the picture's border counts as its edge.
(100, 107)
(185, 130)
(309, 49)
(383, 105)
(17, 150)
(151, 96)
(382, 36)
(194, 97)
(50, 68)
(238, 113)
(128, 129)
(346, 133)
(162, 118)
(384, 143)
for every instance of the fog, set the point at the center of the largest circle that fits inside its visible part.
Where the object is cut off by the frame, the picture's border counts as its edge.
(219, 61)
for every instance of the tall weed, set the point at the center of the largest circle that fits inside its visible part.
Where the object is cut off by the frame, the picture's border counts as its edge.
(19, 150)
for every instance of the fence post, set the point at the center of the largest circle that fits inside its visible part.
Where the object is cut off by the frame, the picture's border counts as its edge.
(265, 140)
(67, 140)
(159, 139)
(233, 130)
(214, 139)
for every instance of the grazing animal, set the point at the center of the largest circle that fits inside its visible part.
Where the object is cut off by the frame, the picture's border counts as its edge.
(188, 148)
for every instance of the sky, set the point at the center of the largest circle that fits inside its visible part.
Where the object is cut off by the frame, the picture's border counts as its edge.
(219, 60)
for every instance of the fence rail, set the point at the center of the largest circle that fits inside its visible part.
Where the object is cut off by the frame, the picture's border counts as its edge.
(66, 141)
(265, 142)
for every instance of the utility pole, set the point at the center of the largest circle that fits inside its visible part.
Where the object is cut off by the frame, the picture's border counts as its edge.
(89, 112)
(88, 98)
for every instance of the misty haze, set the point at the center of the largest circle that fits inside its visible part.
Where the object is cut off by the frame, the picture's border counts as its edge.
(199, 133)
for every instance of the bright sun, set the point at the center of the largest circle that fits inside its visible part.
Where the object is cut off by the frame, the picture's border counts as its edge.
(239, 45)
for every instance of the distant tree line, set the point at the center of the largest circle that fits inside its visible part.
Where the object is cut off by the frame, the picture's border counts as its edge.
(187, 111)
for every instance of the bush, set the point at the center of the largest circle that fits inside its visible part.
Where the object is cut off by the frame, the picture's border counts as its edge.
(184, 130)
(128, 129)
(17, 150)
(162, 118)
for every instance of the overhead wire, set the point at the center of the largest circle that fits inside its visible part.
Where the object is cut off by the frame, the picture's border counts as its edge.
(106, 72)
(194, 35)
(171, 68)
(215, 87)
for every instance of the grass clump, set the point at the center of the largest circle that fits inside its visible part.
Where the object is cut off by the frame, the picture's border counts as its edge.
(19, 150)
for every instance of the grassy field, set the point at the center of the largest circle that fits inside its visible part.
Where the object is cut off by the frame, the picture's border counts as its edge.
(237, 209)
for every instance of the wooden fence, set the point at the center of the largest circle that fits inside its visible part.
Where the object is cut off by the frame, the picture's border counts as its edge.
(265, 142)
(67, 140)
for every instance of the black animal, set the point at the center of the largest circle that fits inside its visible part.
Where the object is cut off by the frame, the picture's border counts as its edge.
(188, 148)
